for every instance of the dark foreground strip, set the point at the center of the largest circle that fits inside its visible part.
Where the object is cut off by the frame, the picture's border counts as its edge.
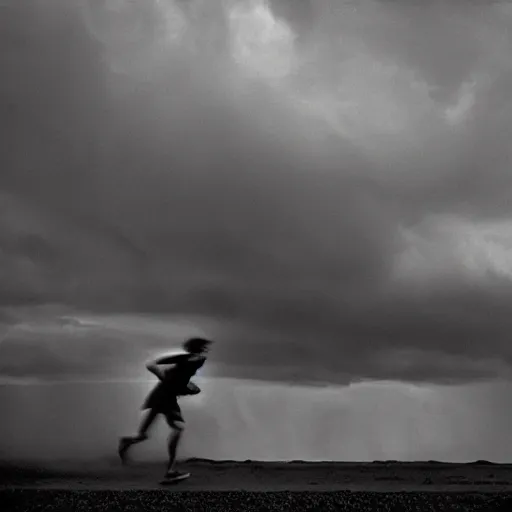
(31, 500)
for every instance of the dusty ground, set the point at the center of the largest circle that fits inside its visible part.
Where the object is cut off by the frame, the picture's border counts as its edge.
(258, 486)
(263, 476)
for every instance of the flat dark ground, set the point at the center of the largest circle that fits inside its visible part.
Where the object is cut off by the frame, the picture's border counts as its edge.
(250, 485)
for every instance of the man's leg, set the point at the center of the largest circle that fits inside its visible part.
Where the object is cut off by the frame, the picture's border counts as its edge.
(146, 422)
(177, 428)
(177, 424)
(142, 434)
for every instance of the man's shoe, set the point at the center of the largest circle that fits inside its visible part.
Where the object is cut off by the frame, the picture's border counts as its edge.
(174, 476)
(124, 444)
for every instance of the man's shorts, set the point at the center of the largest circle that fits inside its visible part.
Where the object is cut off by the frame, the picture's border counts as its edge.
(164, 403)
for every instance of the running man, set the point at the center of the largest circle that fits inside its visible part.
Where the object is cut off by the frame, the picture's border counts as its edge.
(163, 399)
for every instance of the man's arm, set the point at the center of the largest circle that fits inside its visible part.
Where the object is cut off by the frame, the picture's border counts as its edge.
(152, 366)
(173, 359)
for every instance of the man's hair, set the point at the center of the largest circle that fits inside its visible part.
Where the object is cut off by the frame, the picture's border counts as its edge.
(196, 344)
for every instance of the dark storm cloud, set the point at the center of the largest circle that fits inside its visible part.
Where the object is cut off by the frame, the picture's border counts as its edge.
(174, 157)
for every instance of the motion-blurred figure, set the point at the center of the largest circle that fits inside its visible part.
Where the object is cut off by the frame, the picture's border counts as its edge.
(163, 399)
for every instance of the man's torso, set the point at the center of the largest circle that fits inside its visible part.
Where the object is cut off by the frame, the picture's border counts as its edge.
(177, 378)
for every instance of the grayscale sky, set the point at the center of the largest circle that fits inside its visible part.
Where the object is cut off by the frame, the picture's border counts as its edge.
(323, 186)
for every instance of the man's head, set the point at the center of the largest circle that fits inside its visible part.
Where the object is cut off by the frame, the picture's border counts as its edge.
(197, 345)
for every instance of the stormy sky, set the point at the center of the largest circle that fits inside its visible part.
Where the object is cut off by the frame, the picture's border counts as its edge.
(322, 186)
